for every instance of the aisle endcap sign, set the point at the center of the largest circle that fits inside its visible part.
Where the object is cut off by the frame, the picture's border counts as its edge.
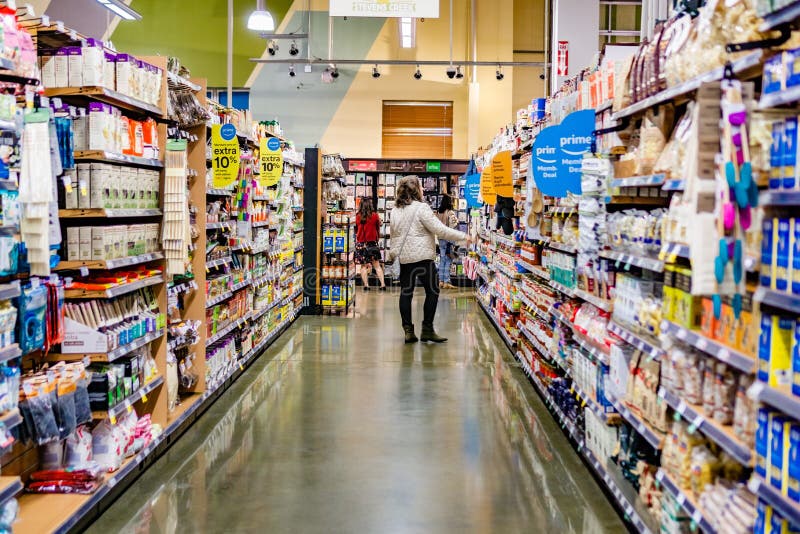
(502, 174)
(472, 190)
(271, 156)
(385, 8)
(557, 154)
(224, 155)
(487, 186)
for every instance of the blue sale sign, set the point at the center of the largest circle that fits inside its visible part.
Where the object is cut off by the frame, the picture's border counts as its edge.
(472, 188)
(557, 153)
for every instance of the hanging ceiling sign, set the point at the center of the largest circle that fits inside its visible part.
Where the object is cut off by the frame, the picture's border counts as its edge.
(385, 8)
(472, 190)
(557, 154)
(224, 155)
(271, 157)
(562, 59)
(501, 174)
(487, 186)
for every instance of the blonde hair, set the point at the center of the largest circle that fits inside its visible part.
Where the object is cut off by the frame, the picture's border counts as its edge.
(409, 189)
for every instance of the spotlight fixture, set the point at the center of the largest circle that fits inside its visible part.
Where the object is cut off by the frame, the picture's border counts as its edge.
(499, 73)
(260, 20)
(292, 73)
(418, 74)
(375, 72)
(459, 74)
(334, 71)
(293, 50)
(120, 9)
(272, 48)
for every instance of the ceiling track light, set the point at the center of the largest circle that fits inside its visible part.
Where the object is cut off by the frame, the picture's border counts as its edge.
(499, 73)
(120, 9)
(375, 72)
(260, 20)
(459, 74)
(418, 74)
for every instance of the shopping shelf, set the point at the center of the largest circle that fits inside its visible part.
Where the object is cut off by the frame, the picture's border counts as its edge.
(740, 65)
(652, 436)
(224, 331)
(778, 299)
(11, 418)
(112, 157)
(107, 213)
(104, 94)
(716, 432)
(685, 501)
(643, 343)
(651, 264)
(109, 264)
(112, 355)
(603, 304)
(607, 417)
(674, 185)
(218, 262)
(716, 349)
(779, 198)
(639, 181)
(779, 397)
(672, 251)
(562, 247)
(564, 289)
(10, 486)
(116, 291)
(10, 291)
(533, 269)
(183, 287)
(113, 413)
(789, 509)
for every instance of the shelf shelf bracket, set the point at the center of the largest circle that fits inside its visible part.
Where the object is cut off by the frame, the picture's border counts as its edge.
(785, 33)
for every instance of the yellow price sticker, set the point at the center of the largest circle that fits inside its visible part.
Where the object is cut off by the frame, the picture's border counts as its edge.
(129, 407)
(113, 419)
(144, 398)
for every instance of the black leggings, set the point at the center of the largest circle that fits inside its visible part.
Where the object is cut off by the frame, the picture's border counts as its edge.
(426, 271)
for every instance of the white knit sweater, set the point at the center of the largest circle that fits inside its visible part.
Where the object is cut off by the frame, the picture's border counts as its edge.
(420, 244)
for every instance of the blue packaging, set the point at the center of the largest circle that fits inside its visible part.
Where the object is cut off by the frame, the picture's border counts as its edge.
(791, 67)
(538, 109)
(764, 346)
(339, 241)
(326, 294)
(600, 389)
(795, 275)
(783, 252)
(762, 442)
(767, 243)
(336, 295)
(789, 160)
(776, 156)
(794, 463)
(779, 452)
(796, 360)
(773, 78)
(763, 518)
(327, 242)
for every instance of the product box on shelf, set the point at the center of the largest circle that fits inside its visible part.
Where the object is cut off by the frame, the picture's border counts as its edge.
(762, 445)
(775, 350)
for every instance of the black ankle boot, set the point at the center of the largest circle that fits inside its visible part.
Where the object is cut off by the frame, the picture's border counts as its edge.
(428, 334)
(411, 337)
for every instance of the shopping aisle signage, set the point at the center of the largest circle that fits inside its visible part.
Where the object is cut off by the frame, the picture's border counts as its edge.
(362, 165)
(501, 174)
(558, 152)
(433, 166)
(487, 186)
(562, 67)
(472, 190)
(224, 155)
(271, 168)
(384, 8)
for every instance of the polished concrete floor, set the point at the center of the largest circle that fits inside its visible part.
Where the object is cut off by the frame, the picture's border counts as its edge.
(341, 428)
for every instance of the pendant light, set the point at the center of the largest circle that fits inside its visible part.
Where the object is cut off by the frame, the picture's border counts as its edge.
(261, 20)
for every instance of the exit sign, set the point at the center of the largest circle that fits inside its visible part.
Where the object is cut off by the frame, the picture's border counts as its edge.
(433, 166)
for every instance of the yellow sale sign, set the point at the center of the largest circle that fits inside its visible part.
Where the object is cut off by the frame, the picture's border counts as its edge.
(224, 155)
(487, 186)
(502, 175)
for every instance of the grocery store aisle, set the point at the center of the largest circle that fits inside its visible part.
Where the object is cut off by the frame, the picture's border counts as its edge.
(340, 427)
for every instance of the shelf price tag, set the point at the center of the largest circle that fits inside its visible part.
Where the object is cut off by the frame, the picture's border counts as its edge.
(224, 155)
(271, 162)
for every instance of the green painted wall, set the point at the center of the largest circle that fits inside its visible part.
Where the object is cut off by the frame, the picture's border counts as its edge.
(196, 32)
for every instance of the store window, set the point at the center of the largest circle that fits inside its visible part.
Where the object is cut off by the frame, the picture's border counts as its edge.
(415, 129)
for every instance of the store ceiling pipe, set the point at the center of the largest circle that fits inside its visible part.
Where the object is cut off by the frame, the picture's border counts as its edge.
(473, 35)
(331, 61)
(546, 46)
(230, 54)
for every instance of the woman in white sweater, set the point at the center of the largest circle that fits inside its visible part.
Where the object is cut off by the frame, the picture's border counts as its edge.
(413, 230)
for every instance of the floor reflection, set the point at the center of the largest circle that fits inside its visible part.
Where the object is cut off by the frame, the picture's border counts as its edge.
(342, 428)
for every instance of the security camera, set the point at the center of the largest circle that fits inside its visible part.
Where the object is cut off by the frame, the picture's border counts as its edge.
(375, 72)
(418, 74)
(291, 71)
(499, 74)
(451, 72)
(272, 48)
(293, 50)
(335, 72)
(541, 76)
(459, 74)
